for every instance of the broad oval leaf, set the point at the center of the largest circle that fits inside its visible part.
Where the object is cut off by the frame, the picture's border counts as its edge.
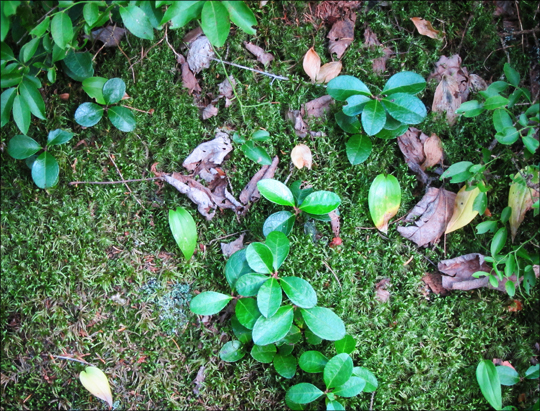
(384, 200)
(113, 90)
(248, 284)
(334, 405)
(232, 351)
(236, 267)
(33, 98)
(511, 75)
(62, 29)
(88, 114)
(241, 332)
(507, 375)
(353, 386)
(366, 375)
(215, 22)
(459, 172)
(293, 336)
(324, 323)
(94, 88)
(501, 119)
(58, 136)
(21, 147)
(294, 406)
(209, 303)
(303, 393)
(247, 312)
(390, 134)
(349, 124)
(95, 381)
(312, 338)
(78, 66)
(358, 149)
(486, 226)
(270, 330)
(45, 170)
(269, 297)
(264, 353)
(342, 87)
(320, 202)
(279, 244)
(495, 102)
(470, 109)
(29, 49)
(122, 118)
(301, 156)
(312, 361)
(6, 54)
(346, 345)
(507, 136)
(10, 79)
(533, 372)
(260, 135)
(299, 291)
(276, 192)
(488, 380)
(405, 108)
(91, 13)
(41, 28)
(137, 22)
(338, 370)
(6, 100)
(256, 153)
(21, 113)
(285, 365)
(184, 231)
(181, 13)
(356, 104)
(282, 221)
(480, 203)
(260, 258)
(241, 15)
(520, 197)
(463, 209)
(373, 117)
(404, 82)
(498, 242)
(311, 64)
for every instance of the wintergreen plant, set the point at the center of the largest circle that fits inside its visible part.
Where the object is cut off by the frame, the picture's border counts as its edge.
(386, 114)
(44, 166)
(106, 92)
(251, 150)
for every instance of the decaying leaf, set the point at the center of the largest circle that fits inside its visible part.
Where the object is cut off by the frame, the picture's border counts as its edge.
(193, 35)
(341, 35)
(328, 72)
(300, 126)
(262, 56)
(188, 78)
(420, 151)
(301, 156)
(334, 223)
(110, 36)
(425, 28)
(318, 107)
(209, 111)
(229, 249)
(226, 88)
(459, 273)
(200, 54)
(447, 98)
(463, 209)
(250, 193)
(371, 41)
(522, 196)
(431, 216)
(208, 155)
(312, 64)
(199, 379)
(434, 282)
(381, 292)
(95, 381)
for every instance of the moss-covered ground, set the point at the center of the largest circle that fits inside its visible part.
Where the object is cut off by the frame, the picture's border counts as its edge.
(94, 270)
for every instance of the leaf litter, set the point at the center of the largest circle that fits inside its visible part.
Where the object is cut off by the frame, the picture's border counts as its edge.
(371, 41)
(262, 56)
(341, 35)
(425, 28)
(229, 249)
(313, 109)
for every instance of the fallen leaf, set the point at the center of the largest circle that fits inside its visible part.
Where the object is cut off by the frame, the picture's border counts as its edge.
(371, 41)
(477, 83)
(336, 241)
(301, 156)
(463, 209)
(226, 87)
(110, 36)
(262, 56)
(521, 197)
(193, 35)
(515, 307)
(434, 282)
(64, 96)
(208, 155)
(328, 71)
(334, 224)
(312, 64)
(381, 292)
(188, 78)
(420, 151)
(209, 111)
(431, 216)
(341, 35)
(95, 381)
(384, 199)
(300, 127)
(229, 249)
(318, 107)
(200, 54)
(199, 379)
(447, 98)
(250, 193)
(425, 28)
(498, 361)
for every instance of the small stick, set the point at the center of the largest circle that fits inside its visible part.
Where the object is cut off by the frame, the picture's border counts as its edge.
(227, 236)
(371, 403)
(129, 61)
(274, 76)
(464, 32)
(74, 183)
(169, 44)
(139, 110)
(128, 187)
(513, 33)
(337, 279)
(520, 26)
(73, 359)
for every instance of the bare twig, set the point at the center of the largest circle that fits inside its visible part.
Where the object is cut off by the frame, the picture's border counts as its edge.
(72, 359)
(139, 110)
(169, 44)
(535, 30)
(502, 48)
(227, 236)
(129, 61)
(464, 32)
(330, 268)
(520, 26)
(372, 398)
(74, 183)
(128, 187)
(274, 76)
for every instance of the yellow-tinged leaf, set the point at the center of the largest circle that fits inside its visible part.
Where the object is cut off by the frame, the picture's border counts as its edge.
(95, 381)
(328, 72)
(425, 28)
(521, 198)
(463, 209)
(312, 64)
(384, 199)
(301, 156)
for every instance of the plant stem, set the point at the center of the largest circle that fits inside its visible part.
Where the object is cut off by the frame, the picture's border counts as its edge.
(274, 76)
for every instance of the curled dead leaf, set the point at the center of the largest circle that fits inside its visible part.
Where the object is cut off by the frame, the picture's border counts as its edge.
(381, 292)
(262, 56)
(328, 72)
(425, 28)
(312, 64)
(341, 35)
(200, 54)
(420, 151)
(463, 209)
(301, 156)
(318, 107)
(229, 249)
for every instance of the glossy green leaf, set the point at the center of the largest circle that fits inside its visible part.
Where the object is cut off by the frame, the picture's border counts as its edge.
(507, 375)
(530, 143)
(353, 386)
(260, 258)
(342, 87)
(312, 338)
(494, 89)
(390, 134)
(21, 113)
(511, 75)
(480, 203)
(215, 22)
(153, 13)
(499, 240)
(10, 7)
(486, 226)
(282, 221)
(495, 102)
(96, 382)
(384, 200)
(324, 323)
(349, 124)
(41, 28)
(232, 351)
(366, 375)
(470, 109)
(256, 153)
(278, 243)
(276, 192)
(488, 379)
(238, 139)
(533, 110)
(501, 119)
(33, 98)
(236, 267)
(533, 372)
(312, 361)
(122, 118)
(358, 148)
(320, 202)
(513, 98)
(184, 231)
(29, 49)
(248, 285)
(5, 25)
(510, 288)
(59, 54)
(404, 82)
(6, 104)
(6, 54)
(293, 336)
(45, 170)
(88, 114)
(242, 333)
(269, 297)
(260, 135)
(356, 104)
(181, 13)
(373, 117)
(294, 406)
(78, 66)
(34, 80)
(405, 108)
(93, 86)
(458, 171)
(91, 13)
(21, 147)
(136, 22)
(264, 353)
(346, 345)
(269, 330)
(209, 303)
(285, 365)
(247, 312)
(241, 15)
(299, 193)
(338, 370)
(62, 29)
(299, 291)
(334, 405)
(58, 136)
(303, 393)
(285, 349)
(113, 90)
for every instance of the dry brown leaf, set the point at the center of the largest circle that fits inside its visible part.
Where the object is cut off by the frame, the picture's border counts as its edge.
(431, 216)
(262, 56)
(199, 379)
(209, 154)
(193, 35)
(434, 282)
(477, 83)
(301, 156)
(312, 64)
(381, 292)
(420, 151)
(64, 96)
(318, 107)
(371, 41)
(188, 79)
(341, 35)
(433, 151)
(110, 36)
(200, 54)
(209, 111)
(425, 28)
(226, 88)
(229, 249)
(250, 193)
(328, 72)
(300, 126)
(447, 98)
(334, 223)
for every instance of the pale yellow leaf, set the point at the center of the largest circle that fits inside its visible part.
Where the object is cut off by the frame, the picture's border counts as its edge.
(521, 198)
(95, 381)
(301, 156)
(425, 28)
(312, 64)
(328, 72)
(463, 209)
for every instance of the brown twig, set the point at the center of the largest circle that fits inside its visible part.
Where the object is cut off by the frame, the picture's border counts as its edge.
(502, 48)
(129, 61)
(139, 110)
(72, 359)
(170, 45)
(464, 32)
(74, 183)
(227, 236)
(128, 187)
(513, 33)
(330, 268)
(520, 26)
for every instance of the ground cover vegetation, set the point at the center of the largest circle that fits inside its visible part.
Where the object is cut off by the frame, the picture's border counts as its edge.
(386, 276)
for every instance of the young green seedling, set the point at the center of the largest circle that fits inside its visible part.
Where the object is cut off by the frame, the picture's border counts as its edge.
(251, 150)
